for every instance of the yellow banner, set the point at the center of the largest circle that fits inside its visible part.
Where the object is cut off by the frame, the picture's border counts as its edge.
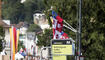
(12, 44)
(59, 57)
(62, 49)
(17, 40)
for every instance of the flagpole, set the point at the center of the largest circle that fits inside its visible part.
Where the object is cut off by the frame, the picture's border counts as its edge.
(77, 31)
(80, 2)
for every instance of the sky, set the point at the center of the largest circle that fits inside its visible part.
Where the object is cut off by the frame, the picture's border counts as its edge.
(23, 1)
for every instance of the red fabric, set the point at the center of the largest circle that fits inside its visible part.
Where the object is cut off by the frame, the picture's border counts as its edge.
(53, 32)
(64, 36)
(59, 23)
(59, 19)
(14, 32)
(57, 28)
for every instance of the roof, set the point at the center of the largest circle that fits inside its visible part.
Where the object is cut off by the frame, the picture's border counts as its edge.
(20, 24)
(38, 11)
(3, 24)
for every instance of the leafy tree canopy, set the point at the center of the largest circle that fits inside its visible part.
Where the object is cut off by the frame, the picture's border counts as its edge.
(34, 28)
(17, 11)
(45, 38)
(93, 23)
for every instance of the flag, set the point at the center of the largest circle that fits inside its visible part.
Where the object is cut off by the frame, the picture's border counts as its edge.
(57, 28)
(12, 43)
(56, 16)
(57, 23)
(15, 36)
(17, 39)
(54, 27)
(64, 35)
(11, 38)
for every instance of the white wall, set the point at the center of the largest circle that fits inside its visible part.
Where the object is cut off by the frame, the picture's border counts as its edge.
(40, 19)
(7, 36)
(23, 30)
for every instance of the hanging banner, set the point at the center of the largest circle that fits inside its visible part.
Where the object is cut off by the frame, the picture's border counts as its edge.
(12, 43)
(17, 39)
(14, 37)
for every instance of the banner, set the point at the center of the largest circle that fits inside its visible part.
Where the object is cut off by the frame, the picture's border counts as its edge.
(17, 39)
(11, 38)
(14, 37)
(12, 43)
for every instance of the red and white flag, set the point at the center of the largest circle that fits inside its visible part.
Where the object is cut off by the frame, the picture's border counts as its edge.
(57, 28)
(57, 23)
(64, 36)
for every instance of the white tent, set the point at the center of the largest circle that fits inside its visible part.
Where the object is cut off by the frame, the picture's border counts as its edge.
(18, 56)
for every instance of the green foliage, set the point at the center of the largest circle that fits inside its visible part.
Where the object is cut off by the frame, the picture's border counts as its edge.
(30, 6)
(20, 45)
(66, 9)
(17, 11)
(93, 23)
(34, 28)
(45, 38)
(13, 10)
(1, 38)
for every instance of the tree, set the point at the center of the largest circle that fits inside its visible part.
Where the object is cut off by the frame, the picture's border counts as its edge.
(30, 7)
(1, 38)
(93, 29)
(16, 11)
(93, 23)
(34, 28)
(13, 10)
(45, 38)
